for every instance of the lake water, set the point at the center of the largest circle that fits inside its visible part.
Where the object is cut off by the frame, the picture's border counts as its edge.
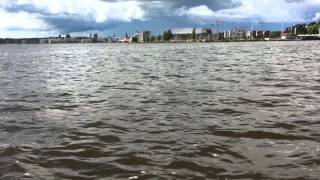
(160, 111)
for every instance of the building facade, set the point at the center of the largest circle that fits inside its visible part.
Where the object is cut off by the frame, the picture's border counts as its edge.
(235, 33)
(185, 34)
(144, 36)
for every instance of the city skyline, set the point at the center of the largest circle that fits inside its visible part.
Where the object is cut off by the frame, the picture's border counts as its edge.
(35, 18)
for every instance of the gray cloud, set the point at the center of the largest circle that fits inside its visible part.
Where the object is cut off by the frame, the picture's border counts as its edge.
(167, 7)
(153, 10)
(69, 24)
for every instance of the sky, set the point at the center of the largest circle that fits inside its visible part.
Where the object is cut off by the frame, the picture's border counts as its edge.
(43, 18)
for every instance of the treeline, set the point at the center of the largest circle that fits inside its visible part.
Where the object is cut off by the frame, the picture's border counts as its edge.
(311, 28)
(19, 41)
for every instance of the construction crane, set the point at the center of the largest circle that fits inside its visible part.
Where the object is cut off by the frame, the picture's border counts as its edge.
(262, 25)
(212, 27)
(218, 24)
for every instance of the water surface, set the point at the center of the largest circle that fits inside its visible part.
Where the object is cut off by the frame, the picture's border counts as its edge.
(160, 111)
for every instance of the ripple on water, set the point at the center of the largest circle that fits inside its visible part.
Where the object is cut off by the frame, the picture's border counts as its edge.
(160, 111)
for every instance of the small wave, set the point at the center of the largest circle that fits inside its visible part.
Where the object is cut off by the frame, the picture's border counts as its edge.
(109, 138)
(175, 76)
(65, 107)
(17, 108)
(126, 89)
(259, 135)
(225, 111)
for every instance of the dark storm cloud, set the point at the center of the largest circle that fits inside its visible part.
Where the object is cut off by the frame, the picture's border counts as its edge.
(164, 13)
(212, 4)
(152, 9)
(168, 7)
(29, 8)
(66, 25)
(24, 8)
(295, 1)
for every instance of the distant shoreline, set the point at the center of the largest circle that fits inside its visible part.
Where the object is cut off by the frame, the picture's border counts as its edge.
(178, 42)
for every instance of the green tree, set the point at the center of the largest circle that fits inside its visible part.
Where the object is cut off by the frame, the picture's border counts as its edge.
(153, 38)
(313, 29)
(276, 34)
(165, 35)
(194, 34)
(159, 38)
(312, 23)
(169, 35)
(134, 39)
(301, 29)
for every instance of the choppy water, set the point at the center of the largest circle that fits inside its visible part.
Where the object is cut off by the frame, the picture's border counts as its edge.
(160, 111)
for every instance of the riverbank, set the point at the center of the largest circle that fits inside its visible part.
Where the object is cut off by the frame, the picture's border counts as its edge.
(33, 41)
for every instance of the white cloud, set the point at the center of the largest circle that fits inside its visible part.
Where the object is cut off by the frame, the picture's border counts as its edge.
(317, 17)
(267, 10)
(34, 16)
(18, 20)
(23, 24)
(83, 10)
(202, 10)
(96, 10)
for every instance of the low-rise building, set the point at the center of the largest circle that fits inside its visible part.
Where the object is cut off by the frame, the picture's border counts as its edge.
(86, 40)
(286, 36)
(262, 34)
(144, 36)
(205, 35)
(251, 35)
(42, 41)
(185, 34)
(95, 38)
(235, 33)
(227, 34)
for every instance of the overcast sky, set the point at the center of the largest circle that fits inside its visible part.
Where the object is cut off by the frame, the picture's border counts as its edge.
(39, 18)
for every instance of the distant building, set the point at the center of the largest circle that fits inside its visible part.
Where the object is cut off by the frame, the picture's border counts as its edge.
(262, 34)
(43, 41)
(144, 36)
(205, 35)
(235, 33)
(227, 34)
(266, 34)
(125, 39)
(115, 39)
(184, 34)
(109, 39)
(95, 38)
(251, 35)
(136, 35)
(239, 33)
(86, 40)
(287, 35)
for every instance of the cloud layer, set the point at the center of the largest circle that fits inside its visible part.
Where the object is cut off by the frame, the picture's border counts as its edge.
(265, 10)
(45, 17)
